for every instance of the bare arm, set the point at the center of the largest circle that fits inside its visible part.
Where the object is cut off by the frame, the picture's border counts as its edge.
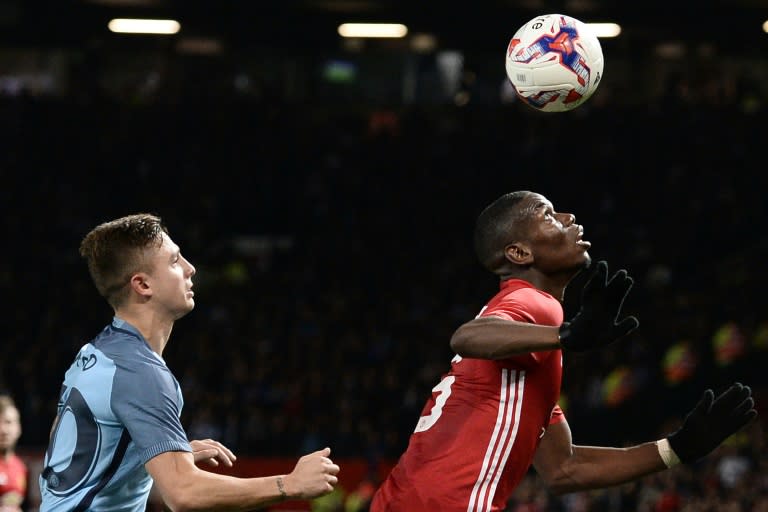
(568, 468)
(492, 337)
(185, 487)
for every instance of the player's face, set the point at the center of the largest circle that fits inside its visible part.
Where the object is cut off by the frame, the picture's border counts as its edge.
(10, 429)
(555, 238)
(171, 280)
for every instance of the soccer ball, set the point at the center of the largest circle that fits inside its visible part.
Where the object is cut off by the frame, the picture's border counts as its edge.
(554, 63)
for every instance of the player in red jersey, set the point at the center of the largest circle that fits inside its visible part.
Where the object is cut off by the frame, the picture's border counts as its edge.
(13, 471)
(495, 412)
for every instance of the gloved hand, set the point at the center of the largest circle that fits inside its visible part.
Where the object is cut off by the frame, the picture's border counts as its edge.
(712, 421)
(596, 323)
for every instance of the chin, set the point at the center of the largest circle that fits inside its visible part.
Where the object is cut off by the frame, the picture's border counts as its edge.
(182, 312)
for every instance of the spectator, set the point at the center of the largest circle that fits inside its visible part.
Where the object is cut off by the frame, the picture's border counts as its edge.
(13, 471)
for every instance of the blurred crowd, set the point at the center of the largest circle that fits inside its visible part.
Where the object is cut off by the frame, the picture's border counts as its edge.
(334, 258)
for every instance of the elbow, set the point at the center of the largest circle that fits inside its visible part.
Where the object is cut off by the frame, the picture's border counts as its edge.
(459, 341)
(466, 343)
(176, 505)
(456, 343)
(567, 479)
(559, 490)
(559, 486)
(179, 501)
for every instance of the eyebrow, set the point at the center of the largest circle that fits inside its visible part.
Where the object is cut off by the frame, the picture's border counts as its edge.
(536, 206)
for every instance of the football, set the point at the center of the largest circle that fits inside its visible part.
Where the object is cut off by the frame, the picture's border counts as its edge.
(554, 62)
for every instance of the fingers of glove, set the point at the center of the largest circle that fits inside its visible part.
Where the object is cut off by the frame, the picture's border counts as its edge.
(704, 405)
(619, 286)
(744, 408)
(575, 288)
(625, 327)
(734, 395)
(587, 272)
(618, 276)
(734, 408)
(598, 280)
(738, 421)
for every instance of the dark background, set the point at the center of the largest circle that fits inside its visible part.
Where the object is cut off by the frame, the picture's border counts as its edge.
(326, 192)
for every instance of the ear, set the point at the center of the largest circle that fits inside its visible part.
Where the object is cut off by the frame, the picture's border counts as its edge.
(518, 253)
(140, 284)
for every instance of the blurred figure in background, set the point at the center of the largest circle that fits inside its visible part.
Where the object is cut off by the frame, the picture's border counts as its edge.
(13, 471)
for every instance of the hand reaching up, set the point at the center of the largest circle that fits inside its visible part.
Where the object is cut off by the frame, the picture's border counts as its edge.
(597, 322)
(712, 421)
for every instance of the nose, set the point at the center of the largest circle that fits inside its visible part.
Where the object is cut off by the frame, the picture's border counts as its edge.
(190, 267)
(567, 219)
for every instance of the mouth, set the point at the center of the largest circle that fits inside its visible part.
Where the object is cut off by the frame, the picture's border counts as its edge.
(579, 239)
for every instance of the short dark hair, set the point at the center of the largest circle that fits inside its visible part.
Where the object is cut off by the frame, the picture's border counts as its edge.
(114, 251)
(496, 227)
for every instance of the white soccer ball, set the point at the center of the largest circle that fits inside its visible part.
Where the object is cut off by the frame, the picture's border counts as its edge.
(554, 62)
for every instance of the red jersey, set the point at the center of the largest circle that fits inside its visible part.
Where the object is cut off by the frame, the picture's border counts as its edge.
(479, 430)
(13, 481)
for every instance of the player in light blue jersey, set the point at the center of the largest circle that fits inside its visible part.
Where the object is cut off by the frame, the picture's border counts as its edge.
(118, 430)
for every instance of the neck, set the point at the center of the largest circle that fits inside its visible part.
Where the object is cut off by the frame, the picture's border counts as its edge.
(155, 328)
(551, 284)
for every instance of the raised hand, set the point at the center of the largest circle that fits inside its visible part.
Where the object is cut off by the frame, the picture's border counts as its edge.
(313, 476)
(597, 323)
(712, 421)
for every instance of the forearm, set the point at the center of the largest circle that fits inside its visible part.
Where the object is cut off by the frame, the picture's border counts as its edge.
(185, 487)
(492, 337)
(211, 491)
(591, 467)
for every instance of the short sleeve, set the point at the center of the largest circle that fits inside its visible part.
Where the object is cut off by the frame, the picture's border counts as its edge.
(527, 305)
(146, 401)
(557, 415)
(530, 306)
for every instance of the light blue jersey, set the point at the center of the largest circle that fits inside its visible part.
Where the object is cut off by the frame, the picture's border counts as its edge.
(119, 407)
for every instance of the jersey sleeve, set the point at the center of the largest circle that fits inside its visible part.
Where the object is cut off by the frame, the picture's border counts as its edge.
(557, 415)
(524, 305)
(145, 399)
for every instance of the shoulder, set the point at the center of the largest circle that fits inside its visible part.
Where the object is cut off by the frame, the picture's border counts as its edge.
(134, 362)
(526, 303)
(126, 349)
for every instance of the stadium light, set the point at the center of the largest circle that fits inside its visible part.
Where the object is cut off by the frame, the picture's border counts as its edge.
(143, 26)
(605, 29)
(372, 30)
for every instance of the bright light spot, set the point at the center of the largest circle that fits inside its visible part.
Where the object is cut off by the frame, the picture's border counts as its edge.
(605, 29)
(423, 43)
(139, 26)
(372, 30)
(765, 26)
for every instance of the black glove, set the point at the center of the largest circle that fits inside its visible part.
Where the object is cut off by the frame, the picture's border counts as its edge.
(712, 421)
(595, 324)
